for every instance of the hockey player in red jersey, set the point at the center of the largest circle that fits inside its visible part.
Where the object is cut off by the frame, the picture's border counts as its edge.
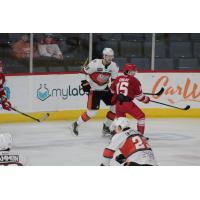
(98, 74)
(134, 147)
(4, 101)
(125, 88)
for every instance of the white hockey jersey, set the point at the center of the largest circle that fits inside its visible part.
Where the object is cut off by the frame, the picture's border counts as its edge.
(133, 146)
(99, 75)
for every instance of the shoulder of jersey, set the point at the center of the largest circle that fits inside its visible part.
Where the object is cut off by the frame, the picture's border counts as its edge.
(115, 64)
(118, 77)
(96, 61)
(116, 136)
(135, 79)
(2, 77)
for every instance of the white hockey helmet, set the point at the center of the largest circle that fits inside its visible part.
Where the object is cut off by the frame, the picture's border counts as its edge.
(5, 141)
(108, 52)
(123, 122)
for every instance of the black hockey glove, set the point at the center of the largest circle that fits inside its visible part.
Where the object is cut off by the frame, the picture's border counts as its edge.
(121, 98)
(85, 85)
(120, 158)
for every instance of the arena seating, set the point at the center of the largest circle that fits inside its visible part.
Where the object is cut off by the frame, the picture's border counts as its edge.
(174, 51)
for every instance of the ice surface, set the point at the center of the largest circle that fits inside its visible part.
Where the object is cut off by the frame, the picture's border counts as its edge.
(174, 142)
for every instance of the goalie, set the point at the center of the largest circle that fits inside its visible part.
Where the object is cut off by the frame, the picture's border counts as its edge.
(4, 101)
(134, 147)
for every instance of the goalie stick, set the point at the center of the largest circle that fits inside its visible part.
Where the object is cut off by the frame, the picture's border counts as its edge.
(186, 108)
(38, 120)
(158, 93)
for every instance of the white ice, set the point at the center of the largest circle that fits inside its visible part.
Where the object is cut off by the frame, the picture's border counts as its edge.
(175, 142)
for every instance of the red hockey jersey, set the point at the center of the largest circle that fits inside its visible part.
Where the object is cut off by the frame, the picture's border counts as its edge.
(127, 85)
(2, 81)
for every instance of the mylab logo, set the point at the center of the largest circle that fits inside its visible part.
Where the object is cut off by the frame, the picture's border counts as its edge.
(43, 92)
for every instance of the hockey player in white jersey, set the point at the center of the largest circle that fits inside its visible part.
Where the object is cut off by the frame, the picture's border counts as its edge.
(134, 147)
(7, 157)
(98, 74)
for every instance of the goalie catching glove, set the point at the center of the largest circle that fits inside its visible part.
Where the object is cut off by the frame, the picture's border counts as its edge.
(85, 85)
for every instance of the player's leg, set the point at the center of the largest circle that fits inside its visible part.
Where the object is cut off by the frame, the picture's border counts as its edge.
(138, 114)
(110, 116)
(120, 111)
(92, 106)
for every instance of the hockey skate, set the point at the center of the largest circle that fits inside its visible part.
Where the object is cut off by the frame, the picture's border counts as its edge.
(106, 131)
(74, 128)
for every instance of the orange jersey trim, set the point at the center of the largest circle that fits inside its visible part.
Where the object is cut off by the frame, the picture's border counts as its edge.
(85, 117)
(108, 153)
(89, 103)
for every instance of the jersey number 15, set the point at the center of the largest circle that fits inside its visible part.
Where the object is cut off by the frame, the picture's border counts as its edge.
(122, 87)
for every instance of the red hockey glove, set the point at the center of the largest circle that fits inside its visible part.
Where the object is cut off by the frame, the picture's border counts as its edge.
(146, 99)
(6, 105)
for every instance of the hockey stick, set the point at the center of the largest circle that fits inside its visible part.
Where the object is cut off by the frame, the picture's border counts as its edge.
(84, 63)
(186, 108)
(158, 93)
(38, 120)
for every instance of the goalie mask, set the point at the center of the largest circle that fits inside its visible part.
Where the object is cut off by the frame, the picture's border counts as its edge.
(5, 141)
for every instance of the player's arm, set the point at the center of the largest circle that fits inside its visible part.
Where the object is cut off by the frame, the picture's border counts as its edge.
(4, 101)
(116, 142)
(113, 86)
(86, 70)
(139, 93)
(114, 73)
(114, 92)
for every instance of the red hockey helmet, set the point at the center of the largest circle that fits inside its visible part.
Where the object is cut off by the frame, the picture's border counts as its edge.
(129, 67)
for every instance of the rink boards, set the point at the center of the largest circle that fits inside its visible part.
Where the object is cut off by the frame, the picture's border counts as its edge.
(62, 97)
